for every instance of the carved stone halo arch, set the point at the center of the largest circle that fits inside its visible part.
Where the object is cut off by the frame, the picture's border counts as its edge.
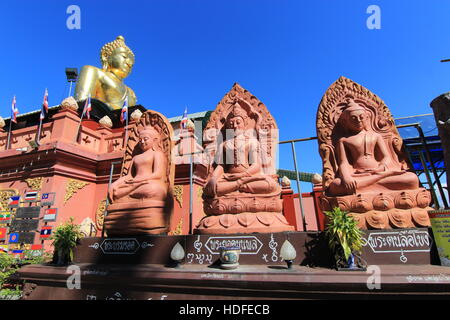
(330, 109)
(161, 124)
(259, 118)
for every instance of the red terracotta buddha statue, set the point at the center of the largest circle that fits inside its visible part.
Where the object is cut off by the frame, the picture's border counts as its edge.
(365, 169)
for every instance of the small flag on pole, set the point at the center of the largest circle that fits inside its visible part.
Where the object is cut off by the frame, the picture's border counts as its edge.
(124, 114)
(13, 238)
(50, 214)
(184, 120)
(5, 216)
(4, 248)
(36, 247)
(46, 232)
(47, 199)
(44, 110)
(17, 253)
(14, 111)
(31, 196)
(3, 232)
(14, 201)
(87, 107)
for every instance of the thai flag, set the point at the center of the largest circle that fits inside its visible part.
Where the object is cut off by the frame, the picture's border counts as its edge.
(87, 107)
(124, 114)
(44, 110)
(31, 196)
(184, 120)
(14, 111)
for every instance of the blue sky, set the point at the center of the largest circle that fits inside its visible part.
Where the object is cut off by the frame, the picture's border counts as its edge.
(190, 52)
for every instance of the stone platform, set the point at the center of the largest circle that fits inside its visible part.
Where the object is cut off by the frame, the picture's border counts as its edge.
(196, 282)
(140, 268)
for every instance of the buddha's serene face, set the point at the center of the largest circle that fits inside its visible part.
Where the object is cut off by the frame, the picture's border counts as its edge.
(121, 62)
(237, 124)
(355, 120)
(147, 140)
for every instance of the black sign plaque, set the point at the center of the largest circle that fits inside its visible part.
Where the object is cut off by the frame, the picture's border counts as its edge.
(26, 237)
(120, 246)
(24, 225)
(28, 212)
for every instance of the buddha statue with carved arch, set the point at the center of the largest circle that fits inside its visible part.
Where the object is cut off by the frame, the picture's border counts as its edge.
(366, 171)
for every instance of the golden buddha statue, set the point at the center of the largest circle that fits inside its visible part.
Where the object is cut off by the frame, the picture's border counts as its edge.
(107, 84)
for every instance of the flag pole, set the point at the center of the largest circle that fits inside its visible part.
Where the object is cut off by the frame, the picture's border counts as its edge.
(13, 107)
(9, 134)
(79, 126)
(126, 130)
(125, 141)
(81, 119)
(38, 136)
(42, 115)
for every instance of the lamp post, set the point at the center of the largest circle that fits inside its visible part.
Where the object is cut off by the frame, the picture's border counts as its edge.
(72, 76)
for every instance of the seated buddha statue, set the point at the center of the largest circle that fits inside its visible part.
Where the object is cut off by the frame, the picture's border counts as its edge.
(238, 161)
(242, 194)
(146, 178)
(363, 158)
(366, 171)
(141, 200)
(107, 84)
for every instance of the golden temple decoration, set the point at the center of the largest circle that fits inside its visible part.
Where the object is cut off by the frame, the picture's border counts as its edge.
(2, 122)
(72, 187)
(178, 194)
(35, 183)
(100, 215)
(178, 230)
(5, 194)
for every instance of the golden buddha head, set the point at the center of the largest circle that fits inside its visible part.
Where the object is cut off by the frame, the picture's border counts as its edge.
(355, 116)
(117, 58)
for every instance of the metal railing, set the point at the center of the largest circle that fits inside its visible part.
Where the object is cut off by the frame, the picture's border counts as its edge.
(297, 178)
